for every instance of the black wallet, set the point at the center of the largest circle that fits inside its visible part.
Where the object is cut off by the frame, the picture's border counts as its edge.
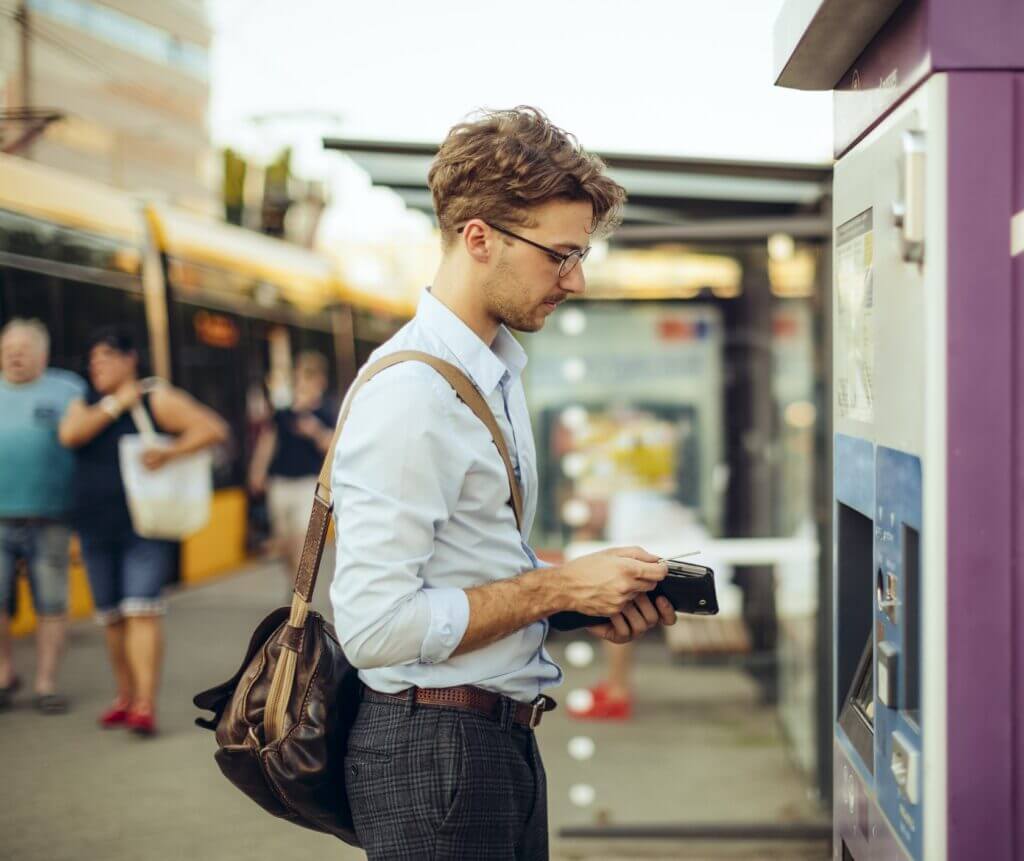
(690, 588)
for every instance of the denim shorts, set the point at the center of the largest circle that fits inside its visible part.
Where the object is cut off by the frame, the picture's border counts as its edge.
(126, 573)
(43, 547)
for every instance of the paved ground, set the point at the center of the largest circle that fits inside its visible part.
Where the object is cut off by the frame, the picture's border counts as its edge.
(700, 750)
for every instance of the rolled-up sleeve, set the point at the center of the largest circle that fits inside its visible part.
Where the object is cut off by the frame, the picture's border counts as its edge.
(396, 478)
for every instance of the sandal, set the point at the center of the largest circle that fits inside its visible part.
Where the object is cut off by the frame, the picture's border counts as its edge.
(7, 693)
(113, 717)
(141, 723)
(50, 704)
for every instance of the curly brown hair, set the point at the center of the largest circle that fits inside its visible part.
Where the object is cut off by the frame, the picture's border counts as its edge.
(499, 166)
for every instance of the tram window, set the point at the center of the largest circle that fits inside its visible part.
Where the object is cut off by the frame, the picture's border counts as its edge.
(71, 310)
(28, 294)
(363, 351)
(87, 307)
(320, 342)
(210, 350)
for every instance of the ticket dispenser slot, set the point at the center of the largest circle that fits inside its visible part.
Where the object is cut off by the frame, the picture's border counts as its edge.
(853, 572)
(911, 702)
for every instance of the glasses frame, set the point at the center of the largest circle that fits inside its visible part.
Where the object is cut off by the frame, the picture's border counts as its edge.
(564, 266)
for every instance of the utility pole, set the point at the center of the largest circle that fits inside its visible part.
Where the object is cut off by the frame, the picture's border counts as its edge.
(25, 70)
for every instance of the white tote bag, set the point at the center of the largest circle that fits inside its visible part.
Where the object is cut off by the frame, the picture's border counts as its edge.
(171, 502)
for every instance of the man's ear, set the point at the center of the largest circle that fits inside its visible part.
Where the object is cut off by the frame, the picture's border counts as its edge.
(478, 239)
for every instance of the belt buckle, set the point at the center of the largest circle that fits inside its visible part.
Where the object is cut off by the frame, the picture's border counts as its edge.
(537, 709)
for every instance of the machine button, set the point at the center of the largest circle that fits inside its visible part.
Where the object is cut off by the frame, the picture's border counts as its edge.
(888, 661)
(906, 768)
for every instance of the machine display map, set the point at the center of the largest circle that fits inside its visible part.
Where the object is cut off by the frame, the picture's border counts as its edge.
(854, 335)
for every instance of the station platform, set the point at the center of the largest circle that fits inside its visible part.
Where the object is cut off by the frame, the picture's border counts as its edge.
(700, 749)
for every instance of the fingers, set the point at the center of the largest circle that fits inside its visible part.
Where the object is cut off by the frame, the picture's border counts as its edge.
(637, 553)
(620, 627)
(605, 631)
(650, 572)
(646, 609)
(635, 620)
(665, 610)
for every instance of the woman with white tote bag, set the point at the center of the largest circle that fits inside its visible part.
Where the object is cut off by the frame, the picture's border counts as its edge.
(128, 570)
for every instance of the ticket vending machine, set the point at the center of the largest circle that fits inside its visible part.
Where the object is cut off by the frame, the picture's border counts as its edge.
(928, 419)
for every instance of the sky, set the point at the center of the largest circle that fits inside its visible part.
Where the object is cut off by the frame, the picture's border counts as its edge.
(667, 77)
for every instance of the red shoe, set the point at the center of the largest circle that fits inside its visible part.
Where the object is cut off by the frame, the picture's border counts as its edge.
(603, 707)
(141, 723)
(115, 716)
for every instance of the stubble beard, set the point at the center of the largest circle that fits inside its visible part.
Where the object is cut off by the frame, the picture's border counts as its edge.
(502, 292)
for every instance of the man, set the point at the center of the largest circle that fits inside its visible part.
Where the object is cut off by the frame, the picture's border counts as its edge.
(290, 452)
(438, 599)
(35, 494)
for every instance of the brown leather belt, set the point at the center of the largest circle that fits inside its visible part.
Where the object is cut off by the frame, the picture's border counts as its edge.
(472, 699)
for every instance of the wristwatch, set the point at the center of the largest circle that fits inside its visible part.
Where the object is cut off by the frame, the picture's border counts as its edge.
(111, 406)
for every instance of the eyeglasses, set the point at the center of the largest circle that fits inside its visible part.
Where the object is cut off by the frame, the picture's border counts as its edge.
(566, 262)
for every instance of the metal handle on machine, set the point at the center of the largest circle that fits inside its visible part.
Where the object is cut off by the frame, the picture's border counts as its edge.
(908, 212)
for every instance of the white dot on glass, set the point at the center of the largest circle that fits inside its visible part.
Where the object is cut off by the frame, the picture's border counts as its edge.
(580, 700)
(574, 370)
(576, 512)
(582, 794)
(579, 653)
(581, 747)
(574, 464)
(572, 321)
(575, 418)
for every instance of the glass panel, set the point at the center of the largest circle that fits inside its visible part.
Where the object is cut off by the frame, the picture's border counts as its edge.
(210, 361)
(691, 425)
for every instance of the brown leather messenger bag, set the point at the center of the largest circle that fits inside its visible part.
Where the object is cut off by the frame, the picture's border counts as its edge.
(282, 720)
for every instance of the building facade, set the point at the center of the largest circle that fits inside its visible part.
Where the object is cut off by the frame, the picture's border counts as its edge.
(131, 81)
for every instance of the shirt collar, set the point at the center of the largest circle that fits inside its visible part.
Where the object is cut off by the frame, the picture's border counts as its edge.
(486, 365)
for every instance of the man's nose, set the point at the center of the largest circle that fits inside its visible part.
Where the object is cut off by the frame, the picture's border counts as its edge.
(575, 282)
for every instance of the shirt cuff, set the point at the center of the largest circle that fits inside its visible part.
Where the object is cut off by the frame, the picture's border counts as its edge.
(446, 624)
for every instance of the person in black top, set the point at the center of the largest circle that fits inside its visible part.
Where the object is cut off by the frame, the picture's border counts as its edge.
(126, 571)
(289, 454)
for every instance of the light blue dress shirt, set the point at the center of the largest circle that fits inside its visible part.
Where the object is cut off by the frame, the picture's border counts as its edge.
(422, 514)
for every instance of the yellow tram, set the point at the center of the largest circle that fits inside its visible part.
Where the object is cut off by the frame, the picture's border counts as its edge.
(223, 310)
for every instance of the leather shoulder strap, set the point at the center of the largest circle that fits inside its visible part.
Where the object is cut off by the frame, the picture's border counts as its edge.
(467, 393)
(305, 579)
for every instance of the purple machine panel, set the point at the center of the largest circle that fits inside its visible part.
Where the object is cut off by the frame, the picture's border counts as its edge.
(1016, 470)
(923, 37)
(979, 47)
(984, 153)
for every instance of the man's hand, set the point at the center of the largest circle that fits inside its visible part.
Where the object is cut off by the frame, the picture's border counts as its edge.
(638, 618)
(607, 583)
(610, 583)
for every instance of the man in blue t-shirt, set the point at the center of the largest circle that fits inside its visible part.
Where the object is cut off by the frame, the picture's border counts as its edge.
(35, 488)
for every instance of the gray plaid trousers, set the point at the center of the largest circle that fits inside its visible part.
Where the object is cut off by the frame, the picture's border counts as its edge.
(436, 783)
